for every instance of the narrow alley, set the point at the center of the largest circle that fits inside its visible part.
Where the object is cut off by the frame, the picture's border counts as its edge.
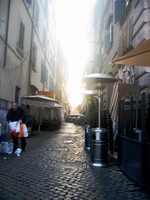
(56, 166)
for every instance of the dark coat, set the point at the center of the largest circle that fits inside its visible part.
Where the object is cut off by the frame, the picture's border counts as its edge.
(17, 115)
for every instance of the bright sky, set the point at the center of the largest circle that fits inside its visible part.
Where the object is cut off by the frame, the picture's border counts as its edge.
(72, 18)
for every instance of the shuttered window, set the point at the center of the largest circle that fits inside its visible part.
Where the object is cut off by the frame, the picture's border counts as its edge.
(42, 72)
(51, 84)
(120, 9)
(17, 94)
(29, 2)
(109, 38)
(37, 10)
(34, 55)
(46, 76)
(117, 11)
(21, 36)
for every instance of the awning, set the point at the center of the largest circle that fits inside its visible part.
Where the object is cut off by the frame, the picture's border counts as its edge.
(40, 101)
(140, 56)
(56, 105)
(46, 93)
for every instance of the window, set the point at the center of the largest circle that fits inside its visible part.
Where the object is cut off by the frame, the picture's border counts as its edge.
(17, 92)
(37, 10)
(42, 72)
(44, 37)
(111, 33)
(29, 2)
(21, 36)
(120, 9)
(46, 76)
(127, 2)
(109, 38)
(34, 55)
(51, 84)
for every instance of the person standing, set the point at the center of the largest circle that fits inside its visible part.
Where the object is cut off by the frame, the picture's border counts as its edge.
(16, 113)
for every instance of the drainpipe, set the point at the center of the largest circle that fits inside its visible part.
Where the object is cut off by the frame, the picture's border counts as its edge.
(30, 62)
(6, 40)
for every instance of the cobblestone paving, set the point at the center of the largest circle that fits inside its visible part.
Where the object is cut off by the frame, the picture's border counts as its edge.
(55, 166)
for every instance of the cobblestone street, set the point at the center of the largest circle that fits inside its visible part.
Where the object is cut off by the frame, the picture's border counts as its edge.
(55, 166)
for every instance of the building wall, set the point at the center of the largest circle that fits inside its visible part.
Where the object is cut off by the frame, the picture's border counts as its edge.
(14, 68)
(15, 72)
(44, 38)
(23, 25)
(121, 29)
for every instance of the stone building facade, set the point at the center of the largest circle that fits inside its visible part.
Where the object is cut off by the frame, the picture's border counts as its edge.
(121, 26)
(28, 50)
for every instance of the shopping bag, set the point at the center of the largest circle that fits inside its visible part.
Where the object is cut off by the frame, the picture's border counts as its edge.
(25, 131)
(20, 134)
(17, 127)
(14, 127)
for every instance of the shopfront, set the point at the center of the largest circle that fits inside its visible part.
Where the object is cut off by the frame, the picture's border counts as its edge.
(134, 123)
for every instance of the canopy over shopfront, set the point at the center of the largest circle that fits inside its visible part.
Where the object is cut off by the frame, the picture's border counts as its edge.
(140, 56)
(41, 102)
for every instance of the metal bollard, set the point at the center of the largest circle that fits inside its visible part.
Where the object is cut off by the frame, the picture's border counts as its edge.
(87, 138)
(99, 149)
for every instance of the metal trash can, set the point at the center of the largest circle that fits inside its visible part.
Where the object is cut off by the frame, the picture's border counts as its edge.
(87, 138)
(99, 150)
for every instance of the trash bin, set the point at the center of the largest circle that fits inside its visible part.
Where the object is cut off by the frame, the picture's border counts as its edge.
(99, 151)
(87, 138)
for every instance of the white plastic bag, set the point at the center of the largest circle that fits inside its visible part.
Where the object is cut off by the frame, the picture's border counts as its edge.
(25, 131)
(14, 126)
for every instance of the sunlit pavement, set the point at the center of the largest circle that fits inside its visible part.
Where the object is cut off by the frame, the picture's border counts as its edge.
(55, 166)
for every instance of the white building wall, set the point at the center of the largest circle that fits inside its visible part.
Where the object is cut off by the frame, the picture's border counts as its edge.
(16, 70)
(44, 37)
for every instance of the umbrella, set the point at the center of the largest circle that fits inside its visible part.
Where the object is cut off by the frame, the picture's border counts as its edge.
(99, 78)
(40, 101)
